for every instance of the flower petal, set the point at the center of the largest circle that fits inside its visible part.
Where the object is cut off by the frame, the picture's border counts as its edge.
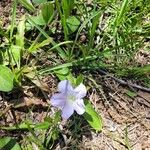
(79, 106)
(58, 100)
(67, 111)
(81, 91)
(64, 86)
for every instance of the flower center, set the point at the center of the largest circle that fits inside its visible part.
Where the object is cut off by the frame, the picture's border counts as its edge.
(71, 98)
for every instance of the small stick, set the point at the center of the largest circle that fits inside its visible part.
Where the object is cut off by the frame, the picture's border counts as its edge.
(124, 82)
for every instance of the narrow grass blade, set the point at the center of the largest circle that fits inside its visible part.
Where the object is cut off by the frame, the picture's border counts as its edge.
(13, 19)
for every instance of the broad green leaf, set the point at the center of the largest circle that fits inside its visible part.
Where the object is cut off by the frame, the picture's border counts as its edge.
(13, 56)
(6, 79)
(38, 20)
(45, 14)
(47, 11)
(27, 4)
(20, 32)
(92, 117)
(72, 79)
(65, 74)
(15, 52)
(73, 23)
(8, 143)
(62, 73)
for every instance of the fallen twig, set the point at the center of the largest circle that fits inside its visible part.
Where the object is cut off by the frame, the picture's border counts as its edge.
(124, 82)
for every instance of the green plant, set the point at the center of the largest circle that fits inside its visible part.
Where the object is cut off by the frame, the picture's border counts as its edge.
(62, 39)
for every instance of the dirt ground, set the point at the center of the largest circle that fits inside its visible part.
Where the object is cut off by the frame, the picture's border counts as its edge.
(126, 119)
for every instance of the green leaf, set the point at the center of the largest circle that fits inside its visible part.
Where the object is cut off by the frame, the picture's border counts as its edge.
(122, 12)
(57, 118)
(39, 1)
(8, 143)
(6, 79)
(92, 117)
(44, 125)
(79, 79)
(1, 57)
(95, 22)
(20, 33)
(45, 14)
(67, 6)
(22, 126)
(65, 74)
(27, 4)
(73, 23)
(15, 52)
(39, 20)
(47, 11)
(62, 73)
(39, 45)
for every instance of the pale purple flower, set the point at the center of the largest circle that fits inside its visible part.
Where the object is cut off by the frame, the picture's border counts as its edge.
(69, 99)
